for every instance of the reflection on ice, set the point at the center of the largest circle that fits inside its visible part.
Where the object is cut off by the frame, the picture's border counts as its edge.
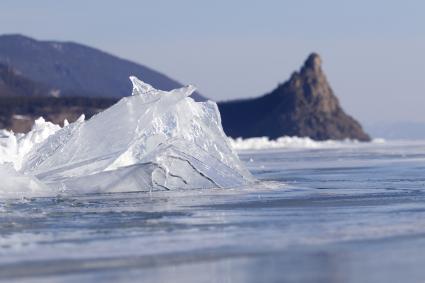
(152, 140)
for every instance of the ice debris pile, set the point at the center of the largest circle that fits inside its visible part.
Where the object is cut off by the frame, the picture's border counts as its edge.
(152, 140)
(294, 143)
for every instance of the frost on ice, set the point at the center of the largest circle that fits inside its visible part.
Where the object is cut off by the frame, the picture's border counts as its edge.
(152, 140)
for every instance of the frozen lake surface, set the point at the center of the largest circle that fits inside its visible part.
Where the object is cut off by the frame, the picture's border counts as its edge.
(348, 213)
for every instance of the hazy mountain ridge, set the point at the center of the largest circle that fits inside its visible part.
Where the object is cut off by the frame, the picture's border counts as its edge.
(14, 84)
(75, 68)
(23, 100)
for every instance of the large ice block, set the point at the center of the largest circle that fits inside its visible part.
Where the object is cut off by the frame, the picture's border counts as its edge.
(152, 140)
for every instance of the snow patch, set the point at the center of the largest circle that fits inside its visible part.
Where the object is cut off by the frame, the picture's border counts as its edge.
(291, 142)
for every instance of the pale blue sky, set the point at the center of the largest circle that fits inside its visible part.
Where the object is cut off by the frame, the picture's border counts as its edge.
(373, 51)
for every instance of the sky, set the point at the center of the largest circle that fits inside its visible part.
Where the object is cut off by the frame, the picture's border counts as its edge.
(373, 51)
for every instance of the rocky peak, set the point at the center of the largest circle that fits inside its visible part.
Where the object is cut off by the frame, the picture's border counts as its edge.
(303, 106)
(310, 86)
(313, 62)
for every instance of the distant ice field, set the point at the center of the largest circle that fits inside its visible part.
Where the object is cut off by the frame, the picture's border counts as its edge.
(350, 212)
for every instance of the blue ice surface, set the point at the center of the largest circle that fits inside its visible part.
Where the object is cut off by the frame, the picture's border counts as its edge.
(349, 214)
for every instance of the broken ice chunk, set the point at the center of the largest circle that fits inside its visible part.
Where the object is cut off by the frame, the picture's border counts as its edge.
(151, 140)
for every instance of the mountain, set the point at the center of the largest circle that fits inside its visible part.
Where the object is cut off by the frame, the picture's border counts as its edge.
(23, 100)
(303, 106)
(86, 80)
(13, 84)
(71, 68)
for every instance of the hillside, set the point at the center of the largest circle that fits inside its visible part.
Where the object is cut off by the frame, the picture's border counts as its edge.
(14, 84)
(74, 68)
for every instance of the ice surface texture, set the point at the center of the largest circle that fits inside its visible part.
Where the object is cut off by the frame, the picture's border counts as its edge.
(152, 140)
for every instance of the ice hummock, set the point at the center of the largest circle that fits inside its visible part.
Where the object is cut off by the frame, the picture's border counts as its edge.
(152, 140)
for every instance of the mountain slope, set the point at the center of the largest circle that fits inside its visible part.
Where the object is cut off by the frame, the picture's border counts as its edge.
(75, 68)
(22, 101)
(303, 106)
(13, 84)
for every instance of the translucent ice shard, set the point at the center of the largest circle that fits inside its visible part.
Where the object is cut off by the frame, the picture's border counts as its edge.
(152, 140)
(14, 147)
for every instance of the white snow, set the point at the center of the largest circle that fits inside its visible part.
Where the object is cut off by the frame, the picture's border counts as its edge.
(152, 140)
(290, 143)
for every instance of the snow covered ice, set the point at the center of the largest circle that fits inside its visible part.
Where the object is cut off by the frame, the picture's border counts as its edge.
(292, 143)
(152, 140)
